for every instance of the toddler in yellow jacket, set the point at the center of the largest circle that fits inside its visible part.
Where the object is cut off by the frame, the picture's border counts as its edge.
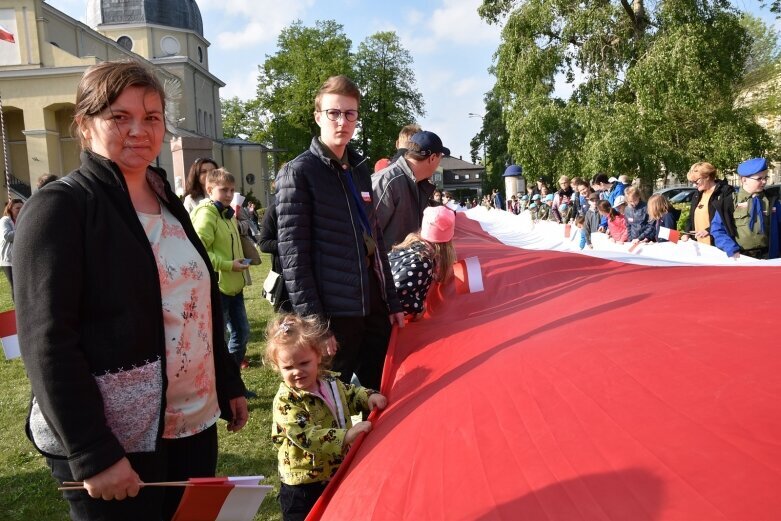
(312, 429)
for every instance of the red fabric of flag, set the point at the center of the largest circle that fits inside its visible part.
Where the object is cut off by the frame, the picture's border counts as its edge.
(552, 395)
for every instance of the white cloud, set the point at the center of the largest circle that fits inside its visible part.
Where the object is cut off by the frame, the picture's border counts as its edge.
(243, 83)
(457, 21)
(257, 21)
(414, 17)
(467, 86)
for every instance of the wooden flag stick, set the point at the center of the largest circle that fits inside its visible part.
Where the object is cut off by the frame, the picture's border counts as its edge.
(78, 485)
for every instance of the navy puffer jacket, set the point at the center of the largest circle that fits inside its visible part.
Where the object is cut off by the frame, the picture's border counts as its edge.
(320, 236)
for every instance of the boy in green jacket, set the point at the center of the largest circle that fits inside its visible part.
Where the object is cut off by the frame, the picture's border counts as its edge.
(215, 224)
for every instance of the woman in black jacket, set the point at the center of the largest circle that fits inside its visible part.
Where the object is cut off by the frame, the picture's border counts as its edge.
(118, 311)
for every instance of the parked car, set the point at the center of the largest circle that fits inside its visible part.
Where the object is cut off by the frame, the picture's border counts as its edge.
(671, 192)
(683, 197)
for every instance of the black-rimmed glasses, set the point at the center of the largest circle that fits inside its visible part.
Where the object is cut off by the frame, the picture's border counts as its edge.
(336, 114)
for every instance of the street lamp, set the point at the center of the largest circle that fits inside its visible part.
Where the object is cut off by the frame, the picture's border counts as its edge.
(482, 117)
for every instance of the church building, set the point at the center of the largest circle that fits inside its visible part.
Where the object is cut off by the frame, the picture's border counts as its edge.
(43, 54)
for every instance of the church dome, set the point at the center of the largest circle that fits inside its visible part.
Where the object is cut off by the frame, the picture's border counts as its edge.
(182, 14)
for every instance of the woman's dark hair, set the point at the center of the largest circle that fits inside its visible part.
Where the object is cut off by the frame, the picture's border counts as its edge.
(193, 186)
(10, 204)
(103, 83)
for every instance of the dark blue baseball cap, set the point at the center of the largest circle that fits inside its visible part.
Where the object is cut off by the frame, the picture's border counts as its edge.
(752, 166)
(429, 143)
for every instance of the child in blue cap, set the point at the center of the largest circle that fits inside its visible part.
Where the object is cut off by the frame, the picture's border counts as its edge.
(757, 214)
(545, 206)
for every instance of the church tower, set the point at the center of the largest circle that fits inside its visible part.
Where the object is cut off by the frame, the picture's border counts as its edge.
(168, 33)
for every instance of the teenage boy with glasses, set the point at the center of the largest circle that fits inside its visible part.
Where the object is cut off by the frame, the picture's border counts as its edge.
(334, 261)
(757, 214)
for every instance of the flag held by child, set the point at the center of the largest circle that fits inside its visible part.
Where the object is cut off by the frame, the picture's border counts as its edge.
(669, 234)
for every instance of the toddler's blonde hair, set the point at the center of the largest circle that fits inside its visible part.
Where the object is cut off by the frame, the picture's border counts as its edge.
(288, 331)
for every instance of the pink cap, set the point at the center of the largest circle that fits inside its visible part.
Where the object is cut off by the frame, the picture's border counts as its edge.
(439, 223)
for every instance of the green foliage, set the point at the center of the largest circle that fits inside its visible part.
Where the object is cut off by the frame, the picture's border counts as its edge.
(29, 491)
(775, 5)
(390, 100)
(282, 113)
(655, 88)
(491, 141)
(289, 80)
(764, 43)
(241, 119)
(250, 197)
(683, 219)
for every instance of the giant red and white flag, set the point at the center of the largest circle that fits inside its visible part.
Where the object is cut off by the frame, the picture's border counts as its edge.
(222, 499)
(555, 394)
(6, 35)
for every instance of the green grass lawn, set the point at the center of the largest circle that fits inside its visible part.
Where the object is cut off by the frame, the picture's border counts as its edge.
(30, 493)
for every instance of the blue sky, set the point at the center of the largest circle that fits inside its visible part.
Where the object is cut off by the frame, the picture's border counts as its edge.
(451, 46)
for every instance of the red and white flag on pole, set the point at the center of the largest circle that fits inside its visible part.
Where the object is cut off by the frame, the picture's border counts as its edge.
(468, 275)
(6, 35)
(222, 499)
(669, 234)
(8, 334)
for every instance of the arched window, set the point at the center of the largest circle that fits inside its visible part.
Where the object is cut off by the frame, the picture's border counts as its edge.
(125, 42)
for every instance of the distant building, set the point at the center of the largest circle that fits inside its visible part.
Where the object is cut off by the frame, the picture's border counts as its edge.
(458, 174)
(47, 53)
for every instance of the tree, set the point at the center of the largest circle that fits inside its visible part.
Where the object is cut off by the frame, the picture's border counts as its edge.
(491, 142)
(289, 80)
(241, 119)
(652, 89)
(775, 5)
(764, 43)
(390, 100)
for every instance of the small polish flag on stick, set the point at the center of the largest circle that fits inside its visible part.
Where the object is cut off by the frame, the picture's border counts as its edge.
(8, 334)
(468, 275)
(237, 202)
(669, 234)
(221, 499)
(6, 35)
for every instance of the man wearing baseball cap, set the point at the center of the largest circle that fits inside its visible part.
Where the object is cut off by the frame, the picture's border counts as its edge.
(757, 214)
(403, 190)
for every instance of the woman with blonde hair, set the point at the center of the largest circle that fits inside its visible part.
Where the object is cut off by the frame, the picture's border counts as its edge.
(712, 195)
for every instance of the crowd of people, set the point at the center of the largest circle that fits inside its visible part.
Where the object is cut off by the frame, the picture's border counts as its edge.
(132, 323)
(742, 220)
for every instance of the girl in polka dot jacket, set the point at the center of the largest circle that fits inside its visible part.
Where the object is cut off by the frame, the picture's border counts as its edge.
(423, 258)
